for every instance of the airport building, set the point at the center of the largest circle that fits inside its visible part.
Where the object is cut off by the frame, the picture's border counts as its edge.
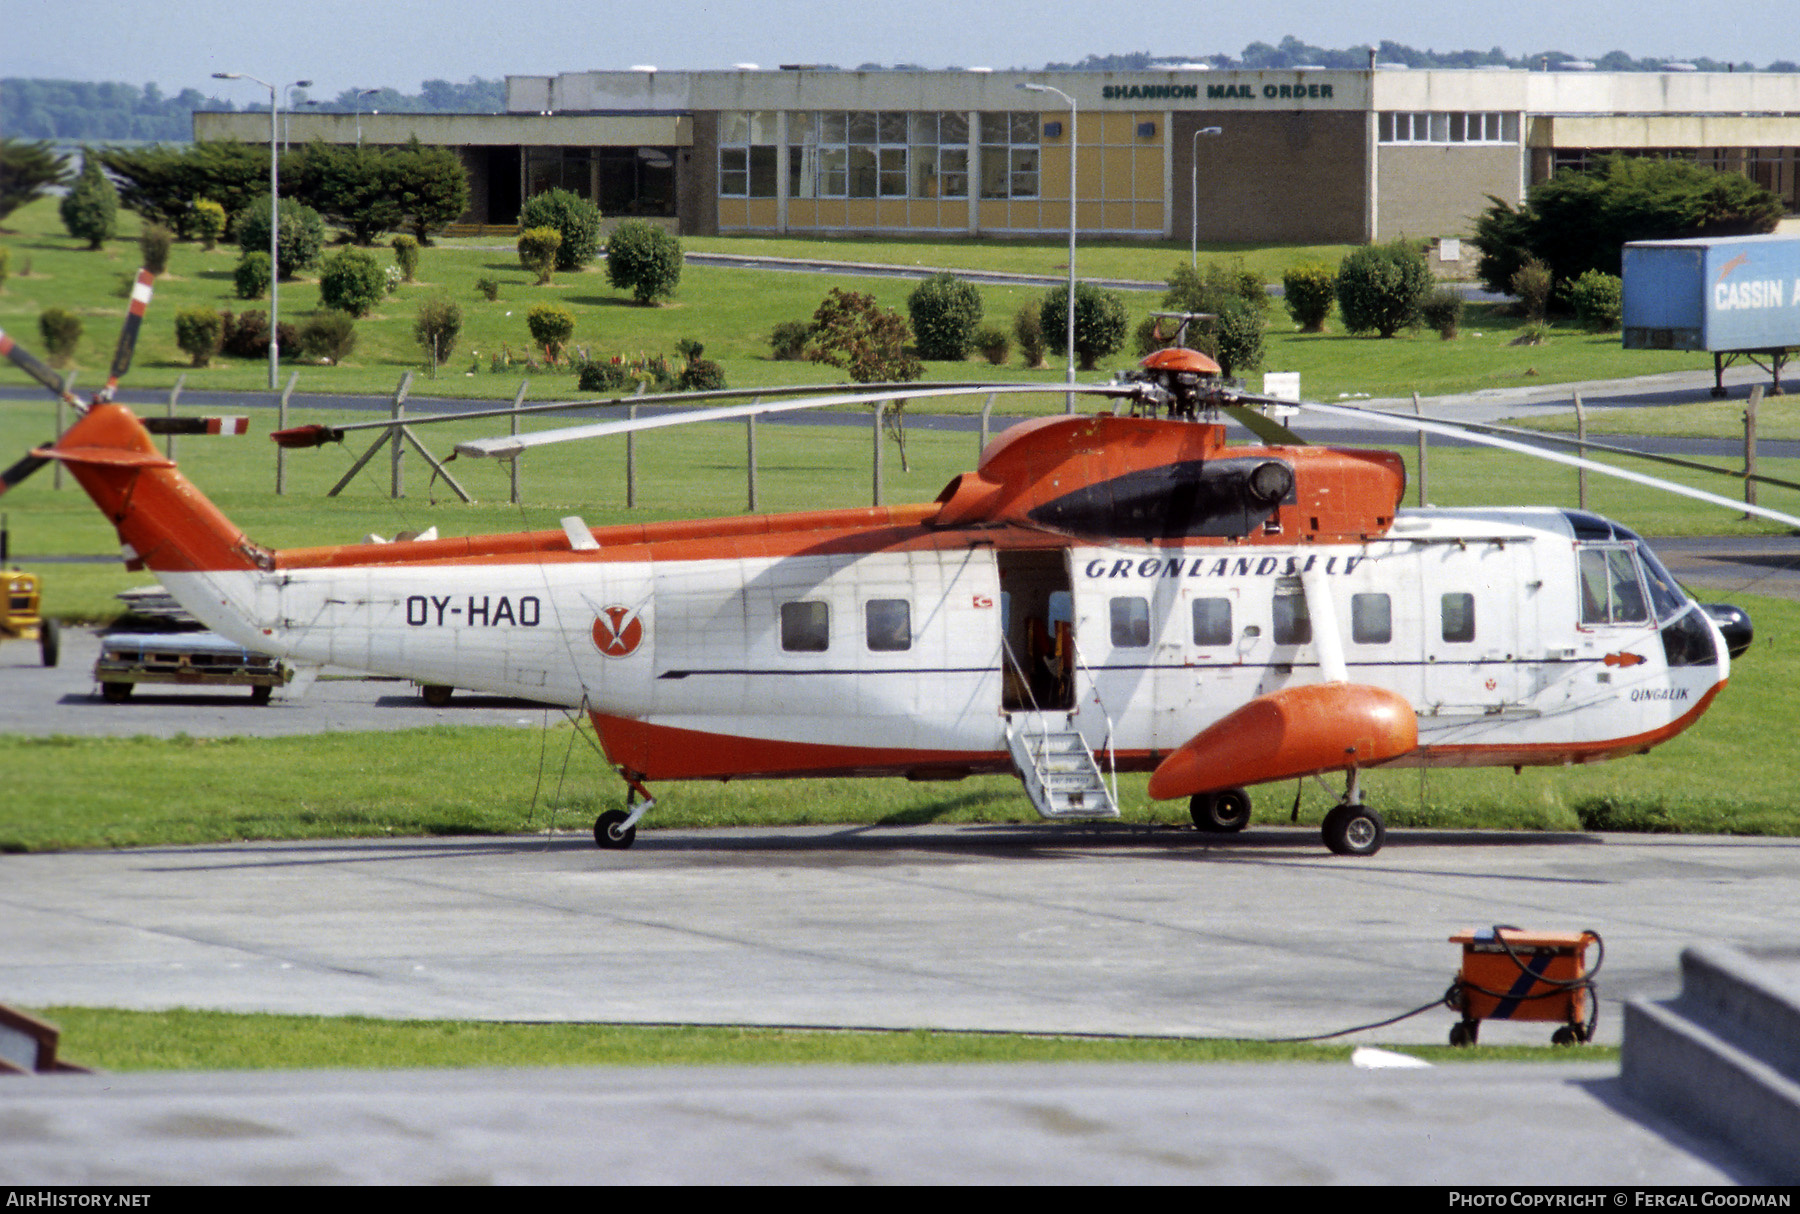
(1303, 156)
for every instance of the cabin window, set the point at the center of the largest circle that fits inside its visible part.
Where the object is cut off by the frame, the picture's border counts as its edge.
(1458, 615)
(1610, 590)
(1130, 623)
(1212, 621)
(1293, 626)
(805, 627)
(888, 625)
(1371, 619)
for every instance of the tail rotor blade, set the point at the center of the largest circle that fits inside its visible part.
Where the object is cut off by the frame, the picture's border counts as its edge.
(20, 470)
(134, 321)
(27, 362)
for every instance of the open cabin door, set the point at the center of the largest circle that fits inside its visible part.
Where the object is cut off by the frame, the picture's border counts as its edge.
(1038, 623)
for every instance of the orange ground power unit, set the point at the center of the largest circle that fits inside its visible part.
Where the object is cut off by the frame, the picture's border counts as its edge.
(1512, 974)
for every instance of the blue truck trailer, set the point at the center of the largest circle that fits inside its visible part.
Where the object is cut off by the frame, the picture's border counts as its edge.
(1731, 296)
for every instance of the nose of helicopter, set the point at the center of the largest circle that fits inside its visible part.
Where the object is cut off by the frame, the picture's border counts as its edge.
(1734, 625)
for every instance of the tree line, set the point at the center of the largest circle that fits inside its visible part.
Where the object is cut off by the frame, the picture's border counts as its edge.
(68, 110)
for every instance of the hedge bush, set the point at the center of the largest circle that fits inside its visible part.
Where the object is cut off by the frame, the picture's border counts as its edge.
(330, 335)
(252, 275)
(551, 327)
(1380, 288)
(90, 210)
(301, 240)
(1598, 299)
(1100, 322)
(352, 281)
(643, 259)
(198, 331)
(537, 251)
(575, 218)
(1309, 291)
(406, 255)
(154, 243)
(439, 325)
(945, 311)
(61, 331)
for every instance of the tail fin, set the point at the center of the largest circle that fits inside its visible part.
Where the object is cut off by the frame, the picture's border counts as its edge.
(163, 520)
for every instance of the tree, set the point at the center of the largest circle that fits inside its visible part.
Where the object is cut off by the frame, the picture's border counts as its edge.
(551, 327)
(198, 331)
(577, 219)
(1100, 322)
(90, 210)
(537, 251)
(1579, 221)
(26, 171)
(432, 186)
(353, 187)
(1380, 288)
(436, 331)
(643, 259)
(301, 239)
(945, 311)
(1309, 290)
(850, 330)
(352, 281)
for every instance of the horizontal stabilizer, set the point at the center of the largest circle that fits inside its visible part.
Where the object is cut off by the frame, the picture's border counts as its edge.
(196, 425)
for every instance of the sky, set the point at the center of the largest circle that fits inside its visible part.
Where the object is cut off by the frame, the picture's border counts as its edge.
(341, 44)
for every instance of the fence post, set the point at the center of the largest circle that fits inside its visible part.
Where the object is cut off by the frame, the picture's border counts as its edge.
(68, 386)
(1581, 450)
(631, 460)
(397, 486)
(1756, 395)
(174, 395)
(750, 452)
(1424, 470)
(517, 401)
(880, 413)
(281, 421)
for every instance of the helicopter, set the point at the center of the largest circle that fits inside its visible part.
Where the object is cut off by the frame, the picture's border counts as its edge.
(1121, 591)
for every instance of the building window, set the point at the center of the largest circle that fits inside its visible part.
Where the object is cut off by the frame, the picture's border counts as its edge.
(1009, 155)
(749, 154)
(805, 627)
(636, 181)
(1483, 126)
(888, 625)
(559, 169)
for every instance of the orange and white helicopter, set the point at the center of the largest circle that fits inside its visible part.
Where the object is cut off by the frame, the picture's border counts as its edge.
(1124, 591)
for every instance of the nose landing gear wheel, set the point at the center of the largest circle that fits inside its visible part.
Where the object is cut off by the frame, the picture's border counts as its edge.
(611, 832)
(1354, 830)
(1220, 812)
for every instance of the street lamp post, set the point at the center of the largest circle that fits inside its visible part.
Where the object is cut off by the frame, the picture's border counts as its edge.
(285, 132)
(1194, 202)
(1069, 336)
(360, 94)
(274, 223)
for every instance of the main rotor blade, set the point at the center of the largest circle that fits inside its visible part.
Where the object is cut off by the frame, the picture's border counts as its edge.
(510, 446)
(1452, 430)
(1589, 444)
(134, 320)
(1263, 426)
(317, 435)
(21, 470)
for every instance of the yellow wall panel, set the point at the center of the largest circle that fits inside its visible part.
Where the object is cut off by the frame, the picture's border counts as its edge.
(1089, 169)
(993, 215)
(732, 213)
(762, 213)
(891, 213)
(1147, 176)
(1149, 217)
(1118, 128)
(1116, 216)
(803, 213)
(1116, 173)
(1088, 216)
(831, 213)
(859, 213)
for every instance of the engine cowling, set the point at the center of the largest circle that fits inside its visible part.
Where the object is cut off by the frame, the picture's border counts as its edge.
(1297, 731)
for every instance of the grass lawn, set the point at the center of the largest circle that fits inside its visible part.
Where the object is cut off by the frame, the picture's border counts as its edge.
(221, 1041)
(730, 311)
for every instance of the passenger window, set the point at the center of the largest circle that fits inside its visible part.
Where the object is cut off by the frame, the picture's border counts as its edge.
(805, 627)
(888, 625)
(1130, 623)
(1212, 621)
(1371, 619)
(1293, 625)
(1458, 614)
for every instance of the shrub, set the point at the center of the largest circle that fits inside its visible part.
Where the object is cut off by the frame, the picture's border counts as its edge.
(61, 331)
(551, 327)
(1531, 282)
(575, 218)
(252, 275)
(90, 210)
(488, 287)
(1028, 328)
(1309, 290)
(1380, 288)
(198, 332)
(644, 260)
(1238, 338)
(1212, 287)
(701, 375)
(301, 240)
(537, 251)
(330, 335)
(406, 255)
(439, 323)
(246, 335)
(352, 282)
(154, 243)
(993, 343)
(1598, 299)
(787, 340)
(207, 222)
(851, 331)
(1443, 312)
(1100, 322)
(944, 311)
(619, 374)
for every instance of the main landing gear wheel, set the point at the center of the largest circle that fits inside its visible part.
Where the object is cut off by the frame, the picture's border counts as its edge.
(1354, 830)
(1220, 812)
(611, 832)
(116, 693)
(1464, 1033)
(261, 693)
(436, 695)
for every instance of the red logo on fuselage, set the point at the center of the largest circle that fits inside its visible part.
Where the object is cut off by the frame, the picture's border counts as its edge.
(618, 631)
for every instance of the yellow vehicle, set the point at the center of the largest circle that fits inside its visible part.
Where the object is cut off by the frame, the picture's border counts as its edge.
(19, 613)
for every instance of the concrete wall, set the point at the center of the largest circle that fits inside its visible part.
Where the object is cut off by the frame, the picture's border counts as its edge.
(1438, 190)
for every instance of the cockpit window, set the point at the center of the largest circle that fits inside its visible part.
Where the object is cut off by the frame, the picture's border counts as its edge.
(1611, 592)
(1666, 595)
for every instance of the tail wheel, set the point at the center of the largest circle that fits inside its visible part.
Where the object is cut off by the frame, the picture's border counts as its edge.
(611, 832)
(260, 695)
(436, 694)
(1354, 830)
(49, 642)
(116, 693)
(1220, 812)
